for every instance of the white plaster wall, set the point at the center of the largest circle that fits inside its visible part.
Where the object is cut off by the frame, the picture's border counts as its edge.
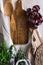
(29, 3)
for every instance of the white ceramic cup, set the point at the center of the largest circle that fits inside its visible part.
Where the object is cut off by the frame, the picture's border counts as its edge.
(26, 63)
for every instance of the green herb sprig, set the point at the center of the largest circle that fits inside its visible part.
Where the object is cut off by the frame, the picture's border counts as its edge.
(20, 55)
(5, 54)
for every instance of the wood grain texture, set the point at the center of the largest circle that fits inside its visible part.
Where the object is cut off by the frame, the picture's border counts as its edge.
(19, 25)
(8, 9)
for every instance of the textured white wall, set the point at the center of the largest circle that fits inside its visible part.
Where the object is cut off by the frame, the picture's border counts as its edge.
(29, 3)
